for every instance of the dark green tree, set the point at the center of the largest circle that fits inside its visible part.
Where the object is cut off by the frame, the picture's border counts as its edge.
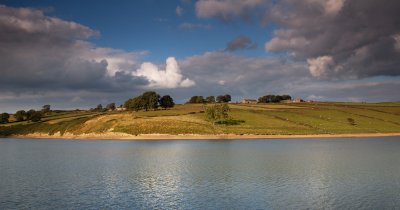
(99, 108)
(111, 106)
(220, 99)
(227, 98)
(4, 117)
(150, 100)
(46, 109)
(36, 116)
(210, 99)
(20, 115)
(29, 114)
(134, 104)
(224, 98)
(166, 102)
(193, 100)
(273, 98)
(200, 100)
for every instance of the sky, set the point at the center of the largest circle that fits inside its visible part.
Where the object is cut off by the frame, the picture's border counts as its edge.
(77, 54)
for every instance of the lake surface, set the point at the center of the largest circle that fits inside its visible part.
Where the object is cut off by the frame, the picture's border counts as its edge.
(343, 173)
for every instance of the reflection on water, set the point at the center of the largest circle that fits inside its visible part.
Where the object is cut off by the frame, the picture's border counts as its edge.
(249, 174)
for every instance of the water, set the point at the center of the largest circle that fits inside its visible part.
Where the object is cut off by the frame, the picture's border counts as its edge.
(356, 173)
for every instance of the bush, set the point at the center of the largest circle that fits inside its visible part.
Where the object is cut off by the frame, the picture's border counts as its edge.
(217, 112)
(351, 121)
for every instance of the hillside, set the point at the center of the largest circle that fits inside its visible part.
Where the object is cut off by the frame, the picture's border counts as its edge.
(256, 119)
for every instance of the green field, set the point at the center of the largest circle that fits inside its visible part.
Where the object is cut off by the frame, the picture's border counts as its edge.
(260, 119)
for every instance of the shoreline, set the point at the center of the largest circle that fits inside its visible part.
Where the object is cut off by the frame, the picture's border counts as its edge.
(149, 137)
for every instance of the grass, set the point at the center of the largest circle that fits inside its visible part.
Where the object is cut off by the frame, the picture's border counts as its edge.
(267, 119)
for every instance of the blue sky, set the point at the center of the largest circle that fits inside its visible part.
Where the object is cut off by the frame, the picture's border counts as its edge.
(77, 54)
(153, 26)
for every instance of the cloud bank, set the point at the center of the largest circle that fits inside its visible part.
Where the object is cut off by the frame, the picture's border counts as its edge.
(40, 54)
(51, 58)
(337, 38)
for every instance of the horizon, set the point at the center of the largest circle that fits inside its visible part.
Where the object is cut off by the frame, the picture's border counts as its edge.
(76, 55)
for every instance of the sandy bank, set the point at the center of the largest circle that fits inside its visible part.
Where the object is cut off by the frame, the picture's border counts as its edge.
(124, 136)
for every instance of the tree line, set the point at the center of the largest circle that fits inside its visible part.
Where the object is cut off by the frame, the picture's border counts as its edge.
(209, 99)
(273, 98)
(109, 107)
(22, 115)
(149, 100)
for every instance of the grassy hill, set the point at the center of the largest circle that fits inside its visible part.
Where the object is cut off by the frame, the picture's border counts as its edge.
(259, 119)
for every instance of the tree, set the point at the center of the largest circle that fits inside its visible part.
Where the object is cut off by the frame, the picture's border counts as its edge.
(135, 104)
(273, 98)
(227, 98)
(99, 108)
(193, 100)
(111, 106)
(220, 99)
(29, 114)
(36, 116)
(200, 100)
(166, 102)
(210, 99)
(224, 98)
(217, 112)
(150, 100)
(4, 117)
(46, 109)
(20, 115)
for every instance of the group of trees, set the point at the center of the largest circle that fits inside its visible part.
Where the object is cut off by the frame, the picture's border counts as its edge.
(22, 115)
(99, 108)
(273, 98)
(209, 99)
(149, 100)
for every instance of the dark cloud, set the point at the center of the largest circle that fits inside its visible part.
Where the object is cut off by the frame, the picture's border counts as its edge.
(240, 43)
(43, 53)
(221, 72)
(339, 38)
(228, 10)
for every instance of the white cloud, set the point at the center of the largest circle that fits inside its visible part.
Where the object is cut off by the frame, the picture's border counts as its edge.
(319, 67)
(397, 41)
(117, 60)
(179, 10)
(171, 77)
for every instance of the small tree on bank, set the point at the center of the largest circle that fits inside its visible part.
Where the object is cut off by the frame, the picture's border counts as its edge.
(217, 112)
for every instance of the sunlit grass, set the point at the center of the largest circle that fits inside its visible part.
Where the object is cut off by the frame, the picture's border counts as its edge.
(272, 119)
